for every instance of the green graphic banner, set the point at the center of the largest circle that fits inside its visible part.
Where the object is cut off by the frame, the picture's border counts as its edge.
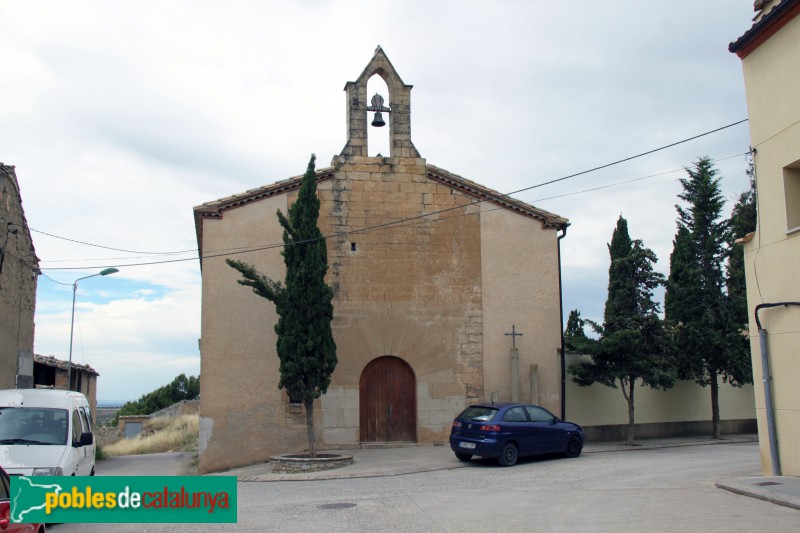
(121, 499)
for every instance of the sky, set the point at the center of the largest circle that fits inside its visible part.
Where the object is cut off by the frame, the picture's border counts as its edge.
(122, 116)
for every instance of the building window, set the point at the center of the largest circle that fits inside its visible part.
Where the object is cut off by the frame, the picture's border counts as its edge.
(791, 190)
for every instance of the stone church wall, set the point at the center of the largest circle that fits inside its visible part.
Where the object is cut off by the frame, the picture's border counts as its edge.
(411, 290)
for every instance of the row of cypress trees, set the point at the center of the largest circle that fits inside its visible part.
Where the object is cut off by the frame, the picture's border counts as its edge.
(703, 334)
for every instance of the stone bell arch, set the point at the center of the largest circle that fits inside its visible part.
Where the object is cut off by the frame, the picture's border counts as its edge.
(399, 104)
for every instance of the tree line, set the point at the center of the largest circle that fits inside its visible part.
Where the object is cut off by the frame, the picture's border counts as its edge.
(703, 334)
(179, 389)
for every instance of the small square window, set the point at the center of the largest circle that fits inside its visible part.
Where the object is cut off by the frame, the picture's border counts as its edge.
(352, 247)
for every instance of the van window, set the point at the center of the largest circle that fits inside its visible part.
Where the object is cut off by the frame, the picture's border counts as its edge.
(77, 426)
(33, 425)
(89, 418)
(87, 427)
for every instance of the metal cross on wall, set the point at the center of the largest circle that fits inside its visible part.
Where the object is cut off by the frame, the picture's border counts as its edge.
(513, 336)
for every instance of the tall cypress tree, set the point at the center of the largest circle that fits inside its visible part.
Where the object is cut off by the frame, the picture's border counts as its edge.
(633, 346)
(708, 340)
(305, 344)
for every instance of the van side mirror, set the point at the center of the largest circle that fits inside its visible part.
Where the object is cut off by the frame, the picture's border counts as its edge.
(87, 439)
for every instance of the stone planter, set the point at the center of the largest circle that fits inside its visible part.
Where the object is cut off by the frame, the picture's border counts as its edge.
(300, 463)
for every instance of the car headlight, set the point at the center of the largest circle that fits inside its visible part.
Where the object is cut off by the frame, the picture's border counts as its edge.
(52, 471)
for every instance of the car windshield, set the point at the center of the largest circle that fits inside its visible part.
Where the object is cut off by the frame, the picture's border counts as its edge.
(478, 413)
(33, 425)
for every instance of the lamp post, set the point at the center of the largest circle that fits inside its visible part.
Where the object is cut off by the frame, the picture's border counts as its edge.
(104, 272)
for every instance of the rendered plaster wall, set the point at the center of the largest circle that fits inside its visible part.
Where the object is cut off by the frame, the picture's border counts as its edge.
(772, 257)
(598, 405)
(241, 417)
(520, 288)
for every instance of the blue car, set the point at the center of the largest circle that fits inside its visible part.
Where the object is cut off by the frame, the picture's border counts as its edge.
(508, 431)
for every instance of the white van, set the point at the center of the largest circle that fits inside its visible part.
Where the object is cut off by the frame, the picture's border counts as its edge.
(46, 432)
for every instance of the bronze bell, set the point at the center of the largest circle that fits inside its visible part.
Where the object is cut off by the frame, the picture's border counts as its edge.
(377, 106)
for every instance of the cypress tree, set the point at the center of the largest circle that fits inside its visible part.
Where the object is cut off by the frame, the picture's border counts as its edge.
(575, 338)
(708, 340)
(305, 346)
(633, 346)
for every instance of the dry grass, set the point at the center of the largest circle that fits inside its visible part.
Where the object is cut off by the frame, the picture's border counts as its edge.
(162, 434)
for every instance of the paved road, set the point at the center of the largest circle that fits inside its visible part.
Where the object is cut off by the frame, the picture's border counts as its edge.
(153, 464)
(669, 489)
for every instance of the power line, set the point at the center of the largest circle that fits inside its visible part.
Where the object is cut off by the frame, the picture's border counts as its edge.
(111, 248)
(618, 183)
(223, 253)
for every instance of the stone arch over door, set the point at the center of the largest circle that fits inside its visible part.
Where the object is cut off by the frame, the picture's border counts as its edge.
(388, 401)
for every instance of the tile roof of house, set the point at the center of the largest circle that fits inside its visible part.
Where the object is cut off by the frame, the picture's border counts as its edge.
(765, 26)
(49, 360)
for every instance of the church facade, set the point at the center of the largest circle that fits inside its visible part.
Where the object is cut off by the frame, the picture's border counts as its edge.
(430, 272)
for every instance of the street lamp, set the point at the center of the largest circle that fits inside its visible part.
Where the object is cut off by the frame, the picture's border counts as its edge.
(104, 272)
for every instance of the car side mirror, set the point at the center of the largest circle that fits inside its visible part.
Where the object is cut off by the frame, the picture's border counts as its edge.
(87, 439)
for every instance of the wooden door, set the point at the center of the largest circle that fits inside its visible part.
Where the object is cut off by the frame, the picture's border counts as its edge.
(388, 401)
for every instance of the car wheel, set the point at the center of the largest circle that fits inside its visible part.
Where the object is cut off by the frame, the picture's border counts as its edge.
(508, 457)
(574, 447)
(464, 456)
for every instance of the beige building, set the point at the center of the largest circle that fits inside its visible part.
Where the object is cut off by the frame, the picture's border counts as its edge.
(770, 54)
(19, 267)
(430, 272)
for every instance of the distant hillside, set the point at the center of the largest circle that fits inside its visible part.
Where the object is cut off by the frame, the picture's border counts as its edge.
(180, 389)
(104, 416)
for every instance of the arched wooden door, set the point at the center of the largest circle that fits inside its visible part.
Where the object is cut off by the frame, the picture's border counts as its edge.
(388, 401)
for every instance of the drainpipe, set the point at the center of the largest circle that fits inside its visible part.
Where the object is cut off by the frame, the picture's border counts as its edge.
(561, 316)
(767, 379)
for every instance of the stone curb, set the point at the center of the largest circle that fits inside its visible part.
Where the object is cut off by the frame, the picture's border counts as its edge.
(346, 475)
(741, 487)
